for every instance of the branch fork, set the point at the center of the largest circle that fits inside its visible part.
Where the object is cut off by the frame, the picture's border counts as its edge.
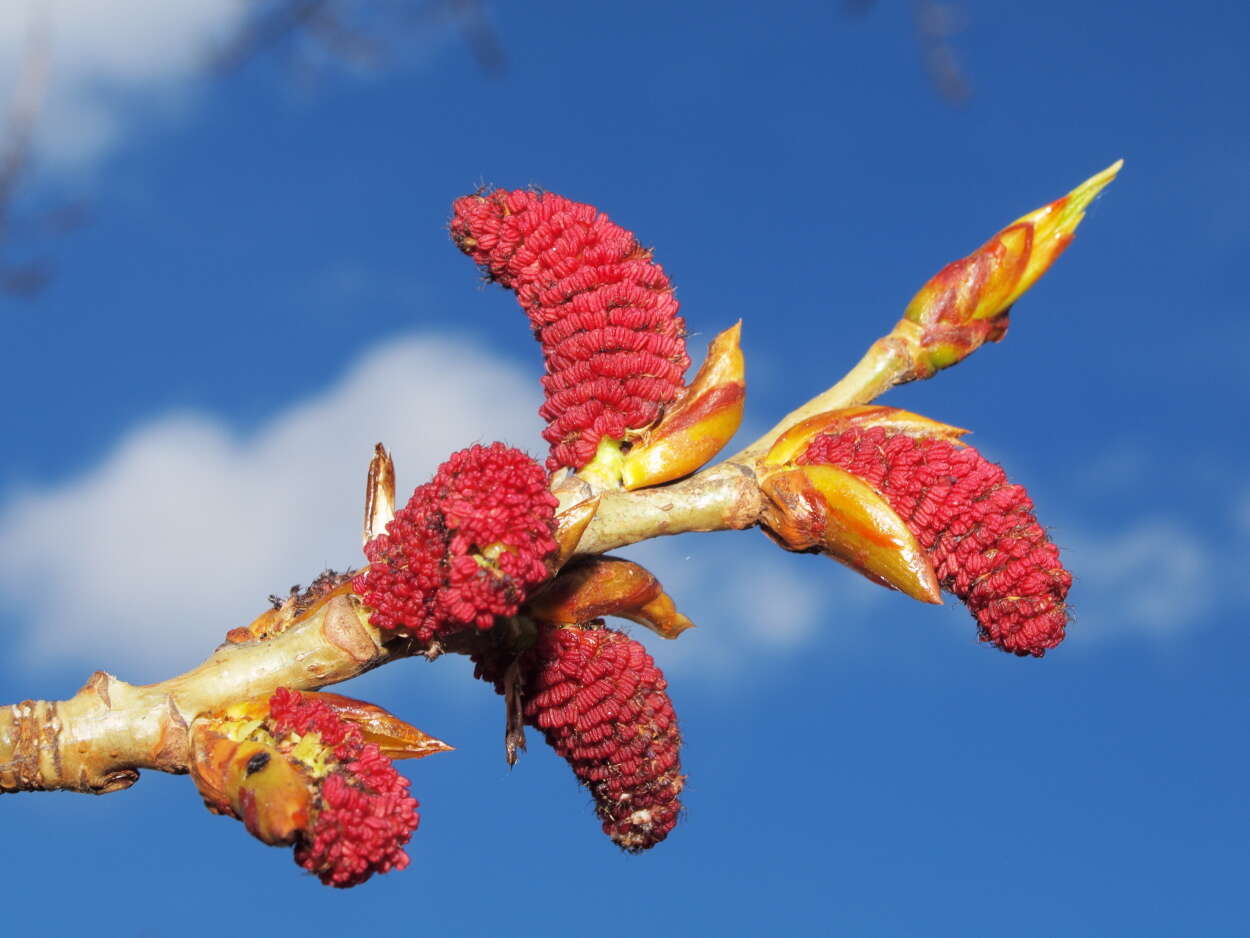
(807, 482)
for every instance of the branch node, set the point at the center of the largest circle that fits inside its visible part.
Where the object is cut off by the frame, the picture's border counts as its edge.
(343, 629)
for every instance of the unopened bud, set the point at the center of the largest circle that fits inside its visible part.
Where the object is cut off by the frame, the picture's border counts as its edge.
(571, 524)
(593, 587)
(698, 425)
(823, 509)
(967, 302)
(379, 494)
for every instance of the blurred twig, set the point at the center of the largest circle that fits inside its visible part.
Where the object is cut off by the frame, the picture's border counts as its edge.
(356, 33)
(15, 155)
(479, 34)
(360, 33)
(935, 24)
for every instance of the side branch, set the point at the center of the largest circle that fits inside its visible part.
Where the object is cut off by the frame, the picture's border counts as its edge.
(727, 496)
(96, 741)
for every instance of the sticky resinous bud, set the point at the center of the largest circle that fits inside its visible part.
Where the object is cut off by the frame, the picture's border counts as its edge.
(595, 586)
(698, 424)
(379, 494)
(824, 509)
(313, 771)
(967, 302)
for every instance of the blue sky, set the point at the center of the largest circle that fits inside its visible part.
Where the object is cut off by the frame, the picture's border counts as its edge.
(266, 287)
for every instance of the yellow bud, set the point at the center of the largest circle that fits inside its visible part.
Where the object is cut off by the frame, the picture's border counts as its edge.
(265, 789)
(379, 494)
(608, 586)
(699, 424)
(822, 508)
(966, 303)
(571, 524)
(395, 738)
(791, 444)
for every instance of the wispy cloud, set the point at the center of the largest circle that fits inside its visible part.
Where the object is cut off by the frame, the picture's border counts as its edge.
(109, 60)
(143, 562)
(1150, 578)
(182, 531)
(1157, 573)
(752, 602)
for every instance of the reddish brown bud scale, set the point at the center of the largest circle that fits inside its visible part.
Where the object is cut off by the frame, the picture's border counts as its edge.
(603, 311)
(978, 529)
(967, 302)
(466, 548)
(602, 705)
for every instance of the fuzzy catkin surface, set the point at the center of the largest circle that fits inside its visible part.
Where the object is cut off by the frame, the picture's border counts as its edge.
(364, 815)
(603, 311)
(466, 548)
(978, 529)
(602, 705)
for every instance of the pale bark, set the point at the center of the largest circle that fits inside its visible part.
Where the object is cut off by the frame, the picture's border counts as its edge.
(99, 739)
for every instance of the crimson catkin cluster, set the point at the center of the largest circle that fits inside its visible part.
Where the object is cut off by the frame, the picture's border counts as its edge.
(601, 703)
(978, 529)
(603, 311)
(363, 813)
(466, 548)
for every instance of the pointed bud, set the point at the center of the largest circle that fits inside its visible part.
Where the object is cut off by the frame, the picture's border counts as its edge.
(967, 302)
(379, 493)
(594, 587)
(571, 524)
(791, 444)
(699, 424)
(394, 738)
(822, 508)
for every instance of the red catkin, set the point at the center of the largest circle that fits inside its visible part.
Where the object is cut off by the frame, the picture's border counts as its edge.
(364, 815)
(602, 705)
(979, 530)
(466, 548)
(603, 311)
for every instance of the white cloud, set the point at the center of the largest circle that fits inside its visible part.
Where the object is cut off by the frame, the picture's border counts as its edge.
(109, 58)
(749, 600)
(1150, 578)
(142, 563)
(182, 531)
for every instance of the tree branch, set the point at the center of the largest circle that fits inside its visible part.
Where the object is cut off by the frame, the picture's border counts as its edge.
(98, 740)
